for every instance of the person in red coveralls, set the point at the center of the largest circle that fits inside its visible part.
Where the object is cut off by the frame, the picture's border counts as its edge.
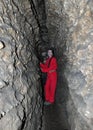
(50, 66)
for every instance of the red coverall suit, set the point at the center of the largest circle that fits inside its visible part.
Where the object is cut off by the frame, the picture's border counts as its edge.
(50, 85)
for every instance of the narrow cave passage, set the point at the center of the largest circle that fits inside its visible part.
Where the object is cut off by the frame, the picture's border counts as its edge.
(36, 29)
(26, 28)
(24, 31)
(55, 116)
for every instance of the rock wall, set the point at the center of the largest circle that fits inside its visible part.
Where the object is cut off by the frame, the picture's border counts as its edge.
(70, 25)
(80, 59)
(23, 32)
(20, 93)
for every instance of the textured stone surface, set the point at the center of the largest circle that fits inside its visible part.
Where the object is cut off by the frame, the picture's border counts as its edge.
(23, 30)
(20, 100)
(80, 59)
(70, 25)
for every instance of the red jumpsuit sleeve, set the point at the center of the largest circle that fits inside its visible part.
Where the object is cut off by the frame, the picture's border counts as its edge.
(53, 65)
(43, 66)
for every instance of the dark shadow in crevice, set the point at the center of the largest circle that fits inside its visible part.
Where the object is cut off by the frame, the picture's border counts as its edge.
(56, 112)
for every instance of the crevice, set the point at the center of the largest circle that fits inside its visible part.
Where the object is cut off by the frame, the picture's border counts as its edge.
(23, 122)
(34, 12)
(40, 16)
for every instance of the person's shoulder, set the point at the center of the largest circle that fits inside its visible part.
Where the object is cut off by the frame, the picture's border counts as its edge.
(54, 58)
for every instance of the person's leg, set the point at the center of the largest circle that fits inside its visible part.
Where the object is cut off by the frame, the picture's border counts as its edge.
(53, 84)
(43, 81)
(47, 90)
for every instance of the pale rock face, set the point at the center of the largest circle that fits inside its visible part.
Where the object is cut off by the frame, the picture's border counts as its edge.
(19, 96)
(70, 26)
(1, 45)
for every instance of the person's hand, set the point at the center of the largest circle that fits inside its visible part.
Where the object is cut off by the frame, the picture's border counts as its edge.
(44, 61)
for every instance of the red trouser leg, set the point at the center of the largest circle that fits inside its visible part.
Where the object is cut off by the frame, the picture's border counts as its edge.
(53, 86)
(50, 87)
(47, 89)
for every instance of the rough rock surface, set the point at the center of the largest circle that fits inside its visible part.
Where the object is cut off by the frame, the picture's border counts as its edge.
(20, 100)
(70, 26)
(22, 31)
(80, 63)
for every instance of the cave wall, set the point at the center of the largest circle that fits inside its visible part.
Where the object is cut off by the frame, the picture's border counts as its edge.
(80, 67)
(20, 93)
(70, 25)
(22, 30)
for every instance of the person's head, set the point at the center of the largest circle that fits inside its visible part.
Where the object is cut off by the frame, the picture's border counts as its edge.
(50, 52)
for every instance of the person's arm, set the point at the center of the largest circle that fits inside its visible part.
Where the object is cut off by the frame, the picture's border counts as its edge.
(43, 65)
(53, 66)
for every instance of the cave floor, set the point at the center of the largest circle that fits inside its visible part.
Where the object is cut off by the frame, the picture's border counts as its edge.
(55, 117)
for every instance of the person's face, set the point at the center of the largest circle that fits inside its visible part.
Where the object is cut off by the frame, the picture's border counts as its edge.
(50, 53)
